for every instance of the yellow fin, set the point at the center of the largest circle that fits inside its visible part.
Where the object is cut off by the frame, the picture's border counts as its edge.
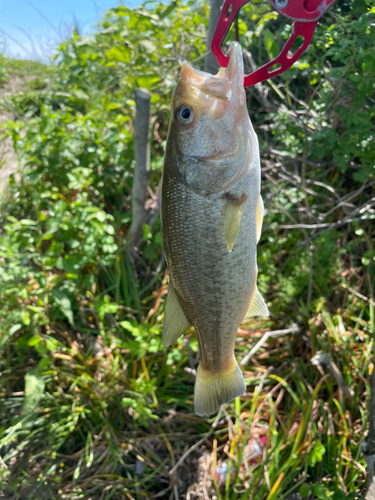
(260, 211)
(221, 73)
(232, 222)
(213, 389)
(257, 306)
(175, 321)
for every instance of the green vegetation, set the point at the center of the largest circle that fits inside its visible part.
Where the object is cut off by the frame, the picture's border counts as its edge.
(92, 405)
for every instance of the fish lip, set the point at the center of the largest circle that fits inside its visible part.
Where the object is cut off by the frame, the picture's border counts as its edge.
(227, 152)
(230, 77)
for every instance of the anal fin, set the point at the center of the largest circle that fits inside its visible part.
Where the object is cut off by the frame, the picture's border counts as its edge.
(257, 306)
(232, 222)
(175, 322)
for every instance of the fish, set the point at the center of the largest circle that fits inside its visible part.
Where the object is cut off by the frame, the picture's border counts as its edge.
(211, 219)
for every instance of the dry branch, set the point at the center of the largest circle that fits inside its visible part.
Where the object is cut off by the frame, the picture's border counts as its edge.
(323, 359)
(277, 333)
(198, 443)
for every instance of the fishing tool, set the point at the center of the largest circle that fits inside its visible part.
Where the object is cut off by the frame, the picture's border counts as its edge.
(305, 15)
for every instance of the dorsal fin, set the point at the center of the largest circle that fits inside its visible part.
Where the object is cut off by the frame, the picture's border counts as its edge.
(257, 306)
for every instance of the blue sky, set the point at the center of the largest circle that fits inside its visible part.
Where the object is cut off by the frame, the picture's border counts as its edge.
(28, 33)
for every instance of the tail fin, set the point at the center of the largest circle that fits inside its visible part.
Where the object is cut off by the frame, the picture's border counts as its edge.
(215, 389)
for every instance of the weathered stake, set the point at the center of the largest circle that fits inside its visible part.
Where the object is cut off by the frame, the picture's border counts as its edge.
(142, 165)
(210, 63)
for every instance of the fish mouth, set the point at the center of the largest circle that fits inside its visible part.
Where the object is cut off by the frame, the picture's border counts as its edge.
(226, 86)
(229, 151)
(228, 83)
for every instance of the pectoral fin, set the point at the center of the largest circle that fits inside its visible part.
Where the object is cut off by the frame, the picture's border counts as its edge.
(232, 222)
(260, 211)
(175, 321)
(257, 306)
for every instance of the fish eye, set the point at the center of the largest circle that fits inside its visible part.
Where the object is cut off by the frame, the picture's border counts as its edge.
(185, 114)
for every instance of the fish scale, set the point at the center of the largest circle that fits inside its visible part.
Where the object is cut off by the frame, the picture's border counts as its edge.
(211, 215)
(213, 285)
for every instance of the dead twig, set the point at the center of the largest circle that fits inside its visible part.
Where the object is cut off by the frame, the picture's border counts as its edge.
(294, 158)
(323, 359)
(357, 294)
(197, 444)
(277, 333)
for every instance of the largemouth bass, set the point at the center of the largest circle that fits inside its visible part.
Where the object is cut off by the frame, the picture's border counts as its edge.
(211, 216)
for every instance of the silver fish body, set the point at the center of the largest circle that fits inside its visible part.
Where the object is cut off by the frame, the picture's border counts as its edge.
(211, 214)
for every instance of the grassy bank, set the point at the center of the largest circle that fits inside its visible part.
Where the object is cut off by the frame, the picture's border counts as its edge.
(92, 405)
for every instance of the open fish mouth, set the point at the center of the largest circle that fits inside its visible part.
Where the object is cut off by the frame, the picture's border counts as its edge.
(220, 94)
(229, 151)
(213, 94)
(227, 84)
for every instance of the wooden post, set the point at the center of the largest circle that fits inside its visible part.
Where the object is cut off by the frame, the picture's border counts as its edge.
(142, 165)
(210, 63)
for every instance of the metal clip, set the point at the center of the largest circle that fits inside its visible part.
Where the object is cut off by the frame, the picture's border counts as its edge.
(305, 14)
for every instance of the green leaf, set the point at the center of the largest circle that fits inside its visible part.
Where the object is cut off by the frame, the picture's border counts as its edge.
(34, 390)
(155, 98)
(14, 328)
(34, 340)
(78, 95)
(126, 325)
(100, 215)
(149, 46)
(112, 105)
(319, 491)
(25, 317)
(168, 10)
(147, 234)
(63, 301)
(70, 264)
(77, 469)
(89, 450)
(85, 40)
(304, 490)
(120, 53)
(270, 44)
(316, 455)
(146, 82)
(27, 222)
(43, 364)
(107, 308)
(341, 495)
(52, 344)
(242, 28)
